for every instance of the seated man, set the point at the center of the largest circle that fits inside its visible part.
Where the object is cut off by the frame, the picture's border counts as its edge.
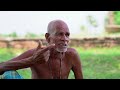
(52, 62)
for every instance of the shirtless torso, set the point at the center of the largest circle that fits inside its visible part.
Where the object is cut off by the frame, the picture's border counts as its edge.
(57, 67)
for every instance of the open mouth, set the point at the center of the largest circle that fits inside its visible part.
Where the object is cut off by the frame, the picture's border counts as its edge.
(64, 45)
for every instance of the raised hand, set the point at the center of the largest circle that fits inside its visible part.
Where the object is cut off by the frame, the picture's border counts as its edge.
(42, 55)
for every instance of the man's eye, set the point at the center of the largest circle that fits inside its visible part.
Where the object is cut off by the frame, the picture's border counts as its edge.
(59, 34)
(67, 34)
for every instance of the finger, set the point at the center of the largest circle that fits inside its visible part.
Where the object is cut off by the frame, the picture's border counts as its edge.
(47, 54)
(47, 57)
(39, 45)
(43, 58)
(48, 48)
(39, 58)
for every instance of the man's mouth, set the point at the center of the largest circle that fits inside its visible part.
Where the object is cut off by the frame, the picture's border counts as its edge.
(64, 45)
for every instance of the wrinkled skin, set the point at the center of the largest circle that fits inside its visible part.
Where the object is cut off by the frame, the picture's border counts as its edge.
(52, 62)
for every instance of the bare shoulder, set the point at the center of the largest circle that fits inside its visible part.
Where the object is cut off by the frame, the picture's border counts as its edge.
(73, 56)
(72, 51)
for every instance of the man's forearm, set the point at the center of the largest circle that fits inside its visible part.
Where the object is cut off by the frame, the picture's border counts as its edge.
(14, 65)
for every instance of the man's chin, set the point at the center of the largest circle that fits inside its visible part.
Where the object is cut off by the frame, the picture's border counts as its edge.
(61, 50)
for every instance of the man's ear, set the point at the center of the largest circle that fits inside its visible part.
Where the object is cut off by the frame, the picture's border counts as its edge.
(47, 36)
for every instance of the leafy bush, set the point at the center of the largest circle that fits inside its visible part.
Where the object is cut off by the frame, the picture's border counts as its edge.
(30, 35)
(13, 34)
(117, 17)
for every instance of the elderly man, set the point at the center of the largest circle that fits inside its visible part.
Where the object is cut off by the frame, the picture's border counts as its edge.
(52, 62)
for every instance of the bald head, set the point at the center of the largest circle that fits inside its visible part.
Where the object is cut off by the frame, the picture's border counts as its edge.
(56, 24)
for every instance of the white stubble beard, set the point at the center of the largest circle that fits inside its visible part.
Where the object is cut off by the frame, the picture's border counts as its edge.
(61, 50)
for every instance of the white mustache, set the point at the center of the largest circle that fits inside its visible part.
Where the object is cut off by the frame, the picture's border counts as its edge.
(63, 44)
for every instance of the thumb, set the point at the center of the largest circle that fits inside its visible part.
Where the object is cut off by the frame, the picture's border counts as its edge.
(39, 45)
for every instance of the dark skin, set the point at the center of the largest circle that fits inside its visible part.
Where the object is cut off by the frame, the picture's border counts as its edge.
(52, 62)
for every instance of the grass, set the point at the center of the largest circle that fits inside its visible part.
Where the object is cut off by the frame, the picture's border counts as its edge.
(6, 54)
(100, 63)
(97, 63)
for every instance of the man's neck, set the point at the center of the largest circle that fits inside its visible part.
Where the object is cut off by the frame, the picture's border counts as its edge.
(57, 55)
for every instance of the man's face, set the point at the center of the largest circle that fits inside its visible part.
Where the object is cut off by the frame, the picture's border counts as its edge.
(60, 37)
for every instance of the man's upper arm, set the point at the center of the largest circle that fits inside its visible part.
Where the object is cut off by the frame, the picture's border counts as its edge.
(19, 62)
(26, 54)
(77, 67)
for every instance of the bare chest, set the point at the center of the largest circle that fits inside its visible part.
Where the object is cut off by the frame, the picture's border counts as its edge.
(55, 68)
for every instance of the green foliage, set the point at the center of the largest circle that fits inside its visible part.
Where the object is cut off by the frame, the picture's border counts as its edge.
(13, 34)
(30, 35)
(92, 21)
(83, 28)
(27, 35)
(117, 17)
(6, 54)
